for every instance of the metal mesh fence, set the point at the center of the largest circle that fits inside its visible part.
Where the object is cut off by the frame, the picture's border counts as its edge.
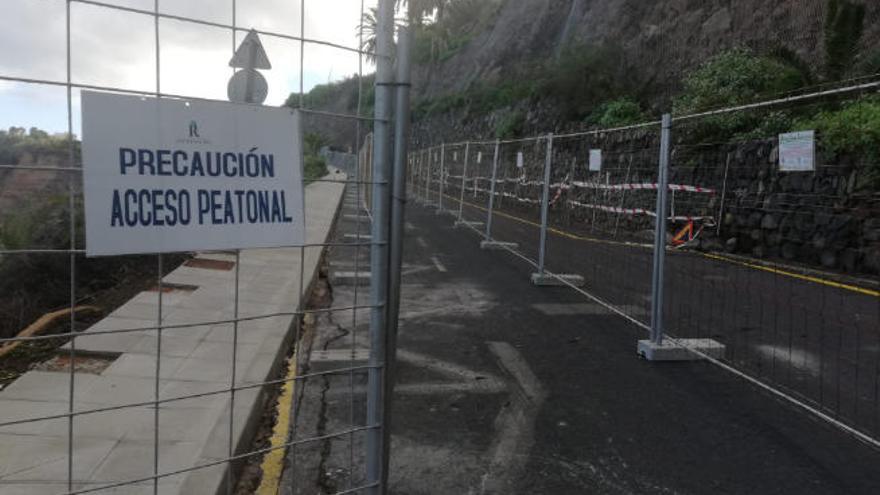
(776, 266)
(94, 431)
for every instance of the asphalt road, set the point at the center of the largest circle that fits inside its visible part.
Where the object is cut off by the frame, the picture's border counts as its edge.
(551, 398)
(818, 342)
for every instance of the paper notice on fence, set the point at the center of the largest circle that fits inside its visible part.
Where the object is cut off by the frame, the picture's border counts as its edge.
(519, 160)
(797, 151)
(595, 160)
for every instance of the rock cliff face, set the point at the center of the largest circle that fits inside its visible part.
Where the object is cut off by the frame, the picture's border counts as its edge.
(661, 38)
(825, 220)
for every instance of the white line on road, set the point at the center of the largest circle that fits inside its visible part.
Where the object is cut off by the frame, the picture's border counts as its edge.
(515, 424)
(440, 267)
(421, 242)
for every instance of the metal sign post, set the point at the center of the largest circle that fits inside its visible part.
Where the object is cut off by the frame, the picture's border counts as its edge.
(398, 210)
(248, 85)
(379, 250)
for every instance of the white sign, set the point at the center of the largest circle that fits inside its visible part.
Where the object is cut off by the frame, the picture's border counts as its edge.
(797, 151)
(595, 160)
(479, 157)
(519, 159)
(163, 175)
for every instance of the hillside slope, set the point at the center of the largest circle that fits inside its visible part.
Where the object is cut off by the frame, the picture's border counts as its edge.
(658, 39)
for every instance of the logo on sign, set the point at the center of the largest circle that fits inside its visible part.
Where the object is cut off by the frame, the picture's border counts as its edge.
(193, 136)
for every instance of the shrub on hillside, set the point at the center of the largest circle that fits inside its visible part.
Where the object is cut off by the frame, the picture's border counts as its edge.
(735, 77)
(617, 113)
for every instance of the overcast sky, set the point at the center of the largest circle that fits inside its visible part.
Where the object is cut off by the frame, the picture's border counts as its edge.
(115, 48)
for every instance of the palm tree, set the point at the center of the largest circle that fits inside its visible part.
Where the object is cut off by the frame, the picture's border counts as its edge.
(417, 10)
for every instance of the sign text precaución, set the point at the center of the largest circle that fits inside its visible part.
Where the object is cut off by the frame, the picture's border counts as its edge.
(158, 207)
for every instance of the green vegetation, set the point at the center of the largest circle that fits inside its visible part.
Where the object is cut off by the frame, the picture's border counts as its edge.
(314, 165)
(617, 113)
(444, 27)
(854, 128)
(341, 96)
(844, 26)
(734, 78)
(510, 124)
(441, 27)
(582, 78)
(16, 142)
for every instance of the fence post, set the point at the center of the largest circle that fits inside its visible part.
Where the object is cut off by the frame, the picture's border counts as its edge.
(660, 233)
(379, 250)
(492, 192)
(467, 149)
(428, 177)
(398, 210)
(545, 200)
(442, 177)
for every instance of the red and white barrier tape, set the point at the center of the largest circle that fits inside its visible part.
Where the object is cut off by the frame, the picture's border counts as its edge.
(640, 211)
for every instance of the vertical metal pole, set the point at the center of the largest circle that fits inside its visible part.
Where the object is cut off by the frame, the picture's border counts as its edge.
(492, 192)
(442, 185)
(398, 210)
(159, 288)
(428, 177)
(467, 150)
(379, 251)
(660, 233)
(545, 206)
(723, 197)
(71, 205)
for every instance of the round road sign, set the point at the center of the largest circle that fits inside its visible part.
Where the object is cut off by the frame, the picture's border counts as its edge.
(247, 86)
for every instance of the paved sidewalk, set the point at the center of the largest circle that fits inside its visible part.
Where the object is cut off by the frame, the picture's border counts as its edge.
(115, 446)
(507, 388)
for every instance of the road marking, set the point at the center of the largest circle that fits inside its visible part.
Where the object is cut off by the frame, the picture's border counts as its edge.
(570, 309)
(447, 368)
(365, 237)
(515, 424)
(273, 461)
(440, 267)
(807, 278)
(421, 242)
(776, 271)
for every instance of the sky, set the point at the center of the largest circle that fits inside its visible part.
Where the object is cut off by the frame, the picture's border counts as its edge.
(114, 48)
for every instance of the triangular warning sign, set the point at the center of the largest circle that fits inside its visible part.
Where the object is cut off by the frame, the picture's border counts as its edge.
(250, 54)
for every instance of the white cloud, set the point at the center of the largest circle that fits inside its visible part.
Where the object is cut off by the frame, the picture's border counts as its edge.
(115, 48)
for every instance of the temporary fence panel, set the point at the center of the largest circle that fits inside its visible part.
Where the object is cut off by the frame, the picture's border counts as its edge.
(769, 240)
(160, 460)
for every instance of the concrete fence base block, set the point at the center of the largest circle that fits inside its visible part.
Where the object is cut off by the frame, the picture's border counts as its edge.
(498, 246)
(680, 350)
(350, 278)
(559, 280)
(460, 223)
